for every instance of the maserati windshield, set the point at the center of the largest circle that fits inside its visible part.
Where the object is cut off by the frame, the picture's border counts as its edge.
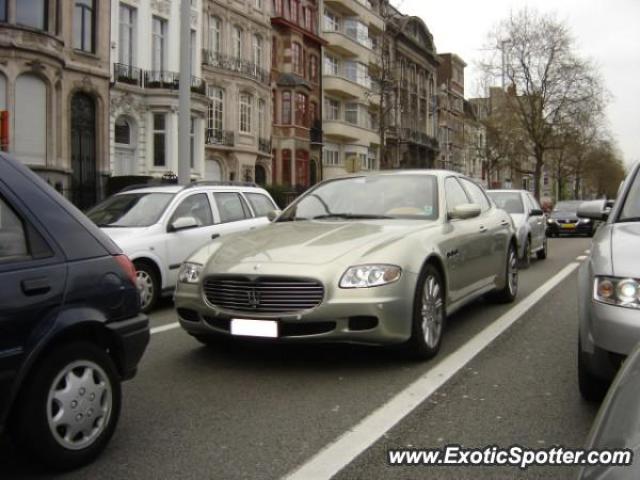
(369, 197)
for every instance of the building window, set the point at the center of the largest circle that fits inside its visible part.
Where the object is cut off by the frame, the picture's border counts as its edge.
(127, 43)
(84, 25)
(192, 141)
(331, 154)
(313, 68)
(331, 65)
(216, 111)
(257, 4)
(237, 42)
(3, 10)
(313, 113)
(30, 120)
(122, 131)
(294, 10)
(194, 52)
(357, 72)
(296, 58)
(159, 140)
(351, 113)
(331, 21)
(245, 113)
(273, 107)
(159, 37)
(32, 13)
(286, 167)
(301, 109)
(215, 34)
(286, 108)
(358, 31)
(331, 109)
(257, 51)
(261, 119)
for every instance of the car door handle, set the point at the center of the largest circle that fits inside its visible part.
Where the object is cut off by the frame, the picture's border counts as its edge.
(214, 236)
(483, 229)
(35, 286)
(504, 223)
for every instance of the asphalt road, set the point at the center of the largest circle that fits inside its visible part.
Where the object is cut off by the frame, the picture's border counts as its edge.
(261, 410)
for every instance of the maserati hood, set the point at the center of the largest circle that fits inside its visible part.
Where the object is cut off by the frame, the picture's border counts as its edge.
(310, 242)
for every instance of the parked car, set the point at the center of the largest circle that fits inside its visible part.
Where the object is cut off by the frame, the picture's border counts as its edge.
(70, 323)
(564, 220)
(616, 425)
(529, 220)
(158, 227)
(374, 259)
(609, 289)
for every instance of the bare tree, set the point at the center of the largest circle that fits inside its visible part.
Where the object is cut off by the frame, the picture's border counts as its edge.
(535, 55)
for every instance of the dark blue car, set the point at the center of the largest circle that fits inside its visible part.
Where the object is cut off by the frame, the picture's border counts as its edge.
(70, 327)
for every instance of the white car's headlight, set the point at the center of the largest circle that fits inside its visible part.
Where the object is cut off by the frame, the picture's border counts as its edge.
(190, 272)
(551, 220)
(584, 220)
(365, 276)
(624, 292)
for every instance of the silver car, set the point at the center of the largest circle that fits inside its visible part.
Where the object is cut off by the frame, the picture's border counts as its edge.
(609, 289)
(529, 220)
(374, 259)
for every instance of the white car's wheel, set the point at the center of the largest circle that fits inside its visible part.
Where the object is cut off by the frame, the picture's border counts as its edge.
(148, 286)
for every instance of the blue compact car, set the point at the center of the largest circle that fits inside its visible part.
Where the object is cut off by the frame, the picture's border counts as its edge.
(70, 323)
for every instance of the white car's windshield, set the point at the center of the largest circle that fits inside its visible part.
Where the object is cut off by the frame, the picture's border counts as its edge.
(375, 196)
(511, 202)
(631, 209)
(130, 209)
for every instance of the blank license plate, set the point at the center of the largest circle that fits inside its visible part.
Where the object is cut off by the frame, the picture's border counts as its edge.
(569, 226)
(254, 328)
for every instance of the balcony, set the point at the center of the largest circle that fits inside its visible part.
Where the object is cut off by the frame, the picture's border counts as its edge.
(127, 74)
(343, 87)
(154, 79)
(342, 131)
(264, 145)
(347, 46)
(235, 65)
(357, 8)
(409, 135)
(220, 137)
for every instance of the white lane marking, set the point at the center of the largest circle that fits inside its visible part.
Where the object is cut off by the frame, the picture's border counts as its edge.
(335, 456)
(581, 257)
(164, 328)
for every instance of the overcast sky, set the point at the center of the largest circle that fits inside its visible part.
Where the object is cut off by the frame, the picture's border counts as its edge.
(607, 31)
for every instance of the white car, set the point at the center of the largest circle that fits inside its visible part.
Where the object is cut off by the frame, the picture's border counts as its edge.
(158, 227)
(529, 220)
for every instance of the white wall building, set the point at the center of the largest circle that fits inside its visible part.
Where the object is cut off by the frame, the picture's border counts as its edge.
(145, 61)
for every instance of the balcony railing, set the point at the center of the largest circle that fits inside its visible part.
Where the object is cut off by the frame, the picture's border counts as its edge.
(264, 145)
(127, 74)
(236, 65)
(220, 137)
(421, 138)
(315, 134)
(155, 79)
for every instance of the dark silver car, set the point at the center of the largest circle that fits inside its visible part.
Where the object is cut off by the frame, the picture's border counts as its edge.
(529, 220)
(609, 289)
(374, 259)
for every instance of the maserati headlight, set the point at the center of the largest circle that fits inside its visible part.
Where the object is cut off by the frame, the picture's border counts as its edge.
(190, 272)
(585, 220)
(365, 276)
(551, 221)
(624, 292)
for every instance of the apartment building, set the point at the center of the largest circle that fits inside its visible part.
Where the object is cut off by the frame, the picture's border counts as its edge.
(451, 112)
(235, 64)
(475, 141)
(352, 30)
(54, 86)
(296, 93)
(410, 107)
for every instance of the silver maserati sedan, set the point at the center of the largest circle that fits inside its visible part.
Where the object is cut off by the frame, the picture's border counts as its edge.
(380, 258)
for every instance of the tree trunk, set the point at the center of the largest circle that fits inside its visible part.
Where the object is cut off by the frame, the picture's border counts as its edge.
(539, 154)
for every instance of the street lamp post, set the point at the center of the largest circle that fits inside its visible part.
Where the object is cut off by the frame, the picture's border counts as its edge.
(184, 111)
